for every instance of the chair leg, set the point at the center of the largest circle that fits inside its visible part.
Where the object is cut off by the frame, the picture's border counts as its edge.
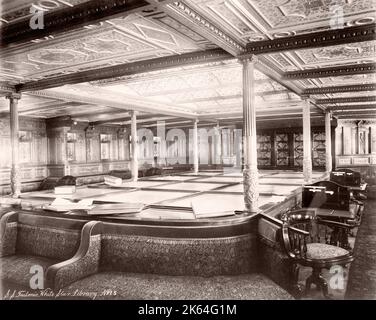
(323, 285)
(297, 290)
(317, 278)
(308, 283)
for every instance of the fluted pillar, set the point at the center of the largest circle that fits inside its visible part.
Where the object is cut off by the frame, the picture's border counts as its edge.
(328, 143)
(307, 148)
(15, 177)
(134, 143)
(373, 139)
(218, 145)
(250, 171)
(195, 146)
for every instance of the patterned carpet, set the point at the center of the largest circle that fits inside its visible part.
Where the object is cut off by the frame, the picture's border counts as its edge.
(362, 276)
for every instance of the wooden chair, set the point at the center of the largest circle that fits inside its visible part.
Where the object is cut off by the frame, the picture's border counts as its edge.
(308, 242)
(331, 195)
(351, 179)
(346, 177)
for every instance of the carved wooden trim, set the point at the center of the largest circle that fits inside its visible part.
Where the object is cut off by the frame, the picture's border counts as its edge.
(314, 40)
(61, 21)
(331, 71)
(352, 107)
(4, 87)
(335, 89)
(118, 71)
(205, 27)
(346, 100)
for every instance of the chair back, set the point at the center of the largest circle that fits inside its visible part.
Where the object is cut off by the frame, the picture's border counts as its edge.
(346, 177)
(326, 194)
(66, 181)
(301, 227)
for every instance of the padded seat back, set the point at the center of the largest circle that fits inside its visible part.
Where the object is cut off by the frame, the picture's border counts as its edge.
(123, 174)
(66, 181)
(346, 177)
(328, 195)
(182, 257)
(48, 237)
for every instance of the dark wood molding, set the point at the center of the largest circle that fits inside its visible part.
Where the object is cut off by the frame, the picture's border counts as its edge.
(356, 116)
(314, 40)
(335, 89)
(346, 100)
(116, 72)
(7, 88)
(334, 71)
(64, 20)
(352, 107)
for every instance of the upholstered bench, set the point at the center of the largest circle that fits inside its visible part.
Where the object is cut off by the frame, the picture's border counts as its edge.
(152, 267)
(140, 286)
(28, 240)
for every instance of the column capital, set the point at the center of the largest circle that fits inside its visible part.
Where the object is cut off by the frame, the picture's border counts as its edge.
(329, 113)
(13, 95)
(248, 58)
(306, 98)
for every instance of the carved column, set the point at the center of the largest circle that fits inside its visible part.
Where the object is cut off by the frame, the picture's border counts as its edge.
(218, 145)
(328, 143)
(250, 172)
(347, 141)
(67, 168)
(373, 139)
(134, 143)
(15, 177)
(339, 140)
(195, 146)
(307, 148)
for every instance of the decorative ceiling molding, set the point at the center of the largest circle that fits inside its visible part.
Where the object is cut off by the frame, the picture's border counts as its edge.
(357, 117)
(200, 24)
(68, 19)
(353, 107)
(314, 40)
(346, 100)
(127, 102)
(127, 120)
(357, 114)
(335, 89)
(334, 71)
(118, 71)
(6, 88)
(269, 70)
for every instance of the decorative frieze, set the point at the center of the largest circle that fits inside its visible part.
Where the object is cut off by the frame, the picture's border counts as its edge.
(334, 71)
(314, 40)
(115, 73)
(206, 26)
(346, 100)
(72, 17)
(336, 89)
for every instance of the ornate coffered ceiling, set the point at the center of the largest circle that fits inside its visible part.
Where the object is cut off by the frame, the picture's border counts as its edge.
(181, 56)
(121, 40)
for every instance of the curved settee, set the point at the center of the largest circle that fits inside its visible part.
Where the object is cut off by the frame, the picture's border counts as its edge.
(141, 261)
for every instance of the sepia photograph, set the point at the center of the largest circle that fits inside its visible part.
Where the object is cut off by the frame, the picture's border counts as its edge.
(206, 152)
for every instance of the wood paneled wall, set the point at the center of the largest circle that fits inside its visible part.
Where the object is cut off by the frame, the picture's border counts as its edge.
(60, 146)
